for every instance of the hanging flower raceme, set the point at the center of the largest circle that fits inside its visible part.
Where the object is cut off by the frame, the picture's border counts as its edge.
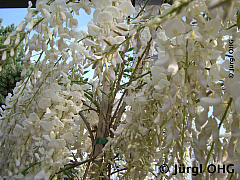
(178, 89)
(45, 120)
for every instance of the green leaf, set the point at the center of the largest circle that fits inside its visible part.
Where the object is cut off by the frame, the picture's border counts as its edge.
(121, 53)
(100, 141)
(25, 171)
(90, 98)
(238, 20)
(130, 49)
(130, 59)
(129, 69)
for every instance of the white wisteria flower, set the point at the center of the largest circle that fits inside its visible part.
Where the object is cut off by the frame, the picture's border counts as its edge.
(138, 85)
(174, 27)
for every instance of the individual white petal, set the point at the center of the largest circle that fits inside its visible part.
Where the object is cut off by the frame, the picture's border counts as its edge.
(44, 103)
(116, 59)
(46, 14)
(114, 11)
(174, 28)
(76, 87)
(37, 156)
(12, 52)
(63, 16)
(89, 42)
(67, 136)
(4, 55)
(20, 27)
(61, 108)
(100, 4)
(105, 18)
(237, 104)
(212, 27)
(162, 84)
(17, 39)
(46, 137)
(34, 117)
(173, 68)
(42, 175)
(119, 39)
(111, 74)
(126, 8)
(58, 122)
(47, 126)
(157, 74)
(93, 30)
(58, 143)
(194, 35)
(7, 41)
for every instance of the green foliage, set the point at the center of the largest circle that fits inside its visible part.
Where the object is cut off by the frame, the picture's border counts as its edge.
(11, 72)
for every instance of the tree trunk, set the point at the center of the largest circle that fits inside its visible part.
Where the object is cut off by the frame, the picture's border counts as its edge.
(102, 130)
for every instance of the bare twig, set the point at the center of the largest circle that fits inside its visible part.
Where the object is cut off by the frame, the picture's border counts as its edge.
(119, 81)
(142, 9)
(119, 115)
(132, 76)
(85, 110)
(119, 171)
(86, 170)
(90, 108)
(88, 126)
(88, 165)
(76, 164)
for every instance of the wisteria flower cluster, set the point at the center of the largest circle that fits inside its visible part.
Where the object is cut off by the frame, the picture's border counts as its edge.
(164, 91)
